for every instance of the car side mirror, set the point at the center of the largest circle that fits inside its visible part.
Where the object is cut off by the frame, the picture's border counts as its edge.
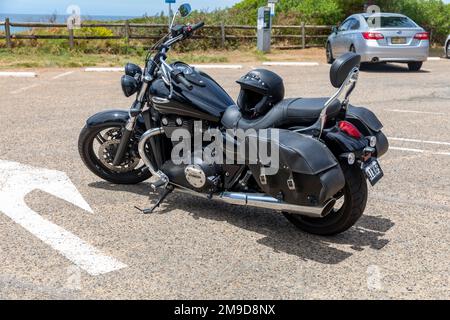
(335, 29)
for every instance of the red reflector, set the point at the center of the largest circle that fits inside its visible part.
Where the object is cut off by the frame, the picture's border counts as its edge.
(373, 35)
(349, 129)
(422, 36)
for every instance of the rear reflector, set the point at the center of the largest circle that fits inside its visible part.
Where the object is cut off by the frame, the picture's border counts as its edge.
(349, 129)
(422, 36)
(373, 35)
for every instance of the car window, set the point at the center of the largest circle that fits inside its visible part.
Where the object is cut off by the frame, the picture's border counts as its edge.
(392, 22)
(355, 25)
(345, 25)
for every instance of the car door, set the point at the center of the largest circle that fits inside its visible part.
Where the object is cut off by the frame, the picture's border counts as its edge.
(339, 43)
(350, 34)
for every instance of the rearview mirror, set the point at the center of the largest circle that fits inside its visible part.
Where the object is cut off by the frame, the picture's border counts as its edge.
(185, 9)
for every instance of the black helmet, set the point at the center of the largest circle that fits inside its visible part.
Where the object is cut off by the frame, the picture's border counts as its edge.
(260, 90)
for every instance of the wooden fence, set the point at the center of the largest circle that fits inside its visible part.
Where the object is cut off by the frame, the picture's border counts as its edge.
(301, 33)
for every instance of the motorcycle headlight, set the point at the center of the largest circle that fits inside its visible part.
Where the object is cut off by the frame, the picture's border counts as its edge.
(129, 85)
(132, 70)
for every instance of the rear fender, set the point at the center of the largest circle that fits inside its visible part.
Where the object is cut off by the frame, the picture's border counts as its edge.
(369, 125)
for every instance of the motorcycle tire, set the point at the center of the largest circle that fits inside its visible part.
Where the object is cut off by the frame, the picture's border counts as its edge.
(92, 162)
(338, 220)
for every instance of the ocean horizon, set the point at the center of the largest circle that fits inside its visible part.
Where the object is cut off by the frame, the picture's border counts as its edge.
(56, 18)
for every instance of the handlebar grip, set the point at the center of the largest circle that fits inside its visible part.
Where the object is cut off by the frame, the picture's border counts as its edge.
(180, 78)
(197, 26)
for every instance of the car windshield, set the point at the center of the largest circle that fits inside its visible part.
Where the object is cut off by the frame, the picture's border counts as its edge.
(392, 22)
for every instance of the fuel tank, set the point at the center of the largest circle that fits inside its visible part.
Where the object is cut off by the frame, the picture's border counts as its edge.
(206, 101)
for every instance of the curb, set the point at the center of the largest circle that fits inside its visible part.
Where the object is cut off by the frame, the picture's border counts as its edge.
(18, 74)
(99, 69)
(217, 66)
(291, 64)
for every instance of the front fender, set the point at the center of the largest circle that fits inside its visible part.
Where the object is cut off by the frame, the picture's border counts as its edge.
(113, 118)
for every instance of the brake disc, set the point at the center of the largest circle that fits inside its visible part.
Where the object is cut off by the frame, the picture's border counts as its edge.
(107, 152)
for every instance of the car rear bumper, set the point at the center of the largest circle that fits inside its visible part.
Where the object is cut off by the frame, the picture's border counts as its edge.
(375, 53)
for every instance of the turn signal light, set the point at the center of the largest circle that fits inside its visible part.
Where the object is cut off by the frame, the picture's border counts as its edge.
(349, 129)
(373, 35)
(422, 36)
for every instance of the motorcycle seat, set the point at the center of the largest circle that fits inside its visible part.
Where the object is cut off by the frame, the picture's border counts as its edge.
(289, 112)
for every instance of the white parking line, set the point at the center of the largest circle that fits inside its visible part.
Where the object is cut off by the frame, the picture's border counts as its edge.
(18, 74)
(217, 66)
(415, 111)
(98, 69)
(434, 59)
(420, 141)
(62, 75)
(420, 151)
(291, 64)
(24, 88)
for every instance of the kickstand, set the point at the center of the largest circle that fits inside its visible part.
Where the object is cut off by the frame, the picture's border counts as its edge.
(161, 198)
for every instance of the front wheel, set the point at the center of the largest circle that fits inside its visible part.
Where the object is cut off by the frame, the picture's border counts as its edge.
(447, 51)
(97, 148)
(329, 52)
(347, 211)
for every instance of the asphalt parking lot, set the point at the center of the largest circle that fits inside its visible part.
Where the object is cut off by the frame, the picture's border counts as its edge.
(195, 249)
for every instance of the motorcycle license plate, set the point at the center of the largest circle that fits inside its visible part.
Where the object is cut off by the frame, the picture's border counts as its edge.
(373, 171)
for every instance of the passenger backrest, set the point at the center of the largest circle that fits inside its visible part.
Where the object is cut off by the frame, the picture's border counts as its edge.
(342, 66)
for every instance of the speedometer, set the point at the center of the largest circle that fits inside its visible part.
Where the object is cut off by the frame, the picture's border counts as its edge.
(186, 69)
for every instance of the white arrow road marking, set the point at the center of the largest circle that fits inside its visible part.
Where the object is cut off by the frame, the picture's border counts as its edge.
(16, 181)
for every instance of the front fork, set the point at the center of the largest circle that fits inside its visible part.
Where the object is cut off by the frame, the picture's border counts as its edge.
(127, 131)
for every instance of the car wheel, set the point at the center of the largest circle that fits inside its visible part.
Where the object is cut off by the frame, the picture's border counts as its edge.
(329, 52)
(352, 49)
(415, 66)
(447, 52)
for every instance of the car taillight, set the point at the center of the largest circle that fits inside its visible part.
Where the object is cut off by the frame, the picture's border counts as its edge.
(349, 129)
(373, 35)
(422, 36)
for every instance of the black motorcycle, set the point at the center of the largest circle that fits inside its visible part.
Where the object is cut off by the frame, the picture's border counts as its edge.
(327, 148)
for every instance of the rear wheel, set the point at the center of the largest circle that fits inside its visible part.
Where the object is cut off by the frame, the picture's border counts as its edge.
(97, 148)
(415, 66)
(329, 52)
(348, 209)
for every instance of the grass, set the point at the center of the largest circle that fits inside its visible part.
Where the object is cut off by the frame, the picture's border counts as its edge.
(39, 59)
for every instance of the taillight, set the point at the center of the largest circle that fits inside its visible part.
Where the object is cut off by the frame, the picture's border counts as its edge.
(349, 129)
(373, 35)
(422, 36)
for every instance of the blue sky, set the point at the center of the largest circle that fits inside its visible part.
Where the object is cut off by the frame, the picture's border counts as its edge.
(103, 7)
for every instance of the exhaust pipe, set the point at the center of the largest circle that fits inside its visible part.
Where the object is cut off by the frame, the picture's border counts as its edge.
(260, 200)
(375, 60)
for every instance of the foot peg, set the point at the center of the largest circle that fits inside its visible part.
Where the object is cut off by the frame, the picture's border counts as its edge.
(161, 198)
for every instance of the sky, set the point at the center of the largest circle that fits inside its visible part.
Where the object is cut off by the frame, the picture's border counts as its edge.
(104, 7)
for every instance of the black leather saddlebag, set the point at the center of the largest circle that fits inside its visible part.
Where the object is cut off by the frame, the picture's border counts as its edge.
(309, 174)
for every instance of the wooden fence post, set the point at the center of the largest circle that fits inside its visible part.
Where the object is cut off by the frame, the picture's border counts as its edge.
(71, 42)
(303, 36)
(8, 33)
(222, 32)
(127, 31)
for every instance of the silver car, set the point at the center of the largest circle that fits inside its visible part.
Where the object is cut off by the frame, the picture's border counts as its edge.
(447, 47)
(381, 37)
